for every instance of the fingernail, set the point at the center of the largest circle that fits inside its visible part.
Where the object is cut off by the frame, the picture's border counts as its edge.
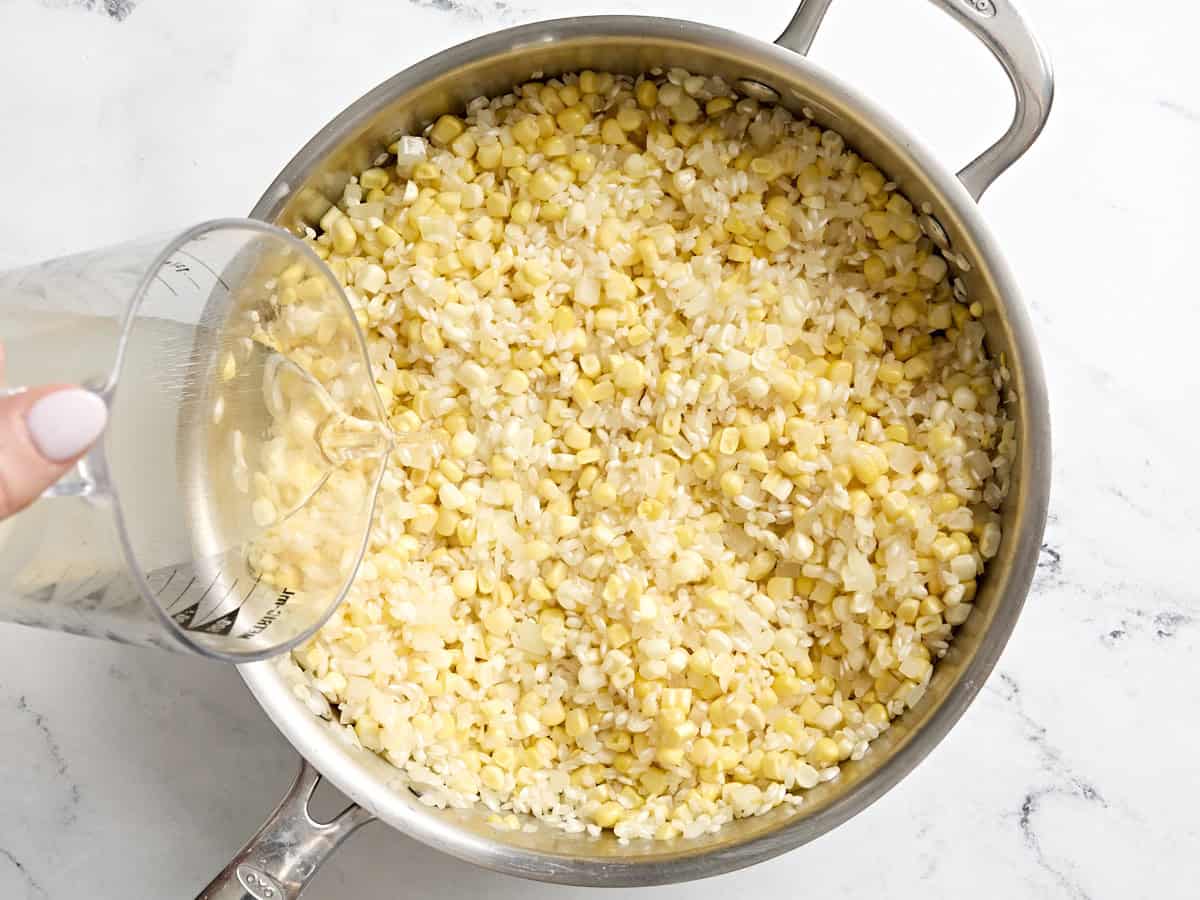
(65, 423)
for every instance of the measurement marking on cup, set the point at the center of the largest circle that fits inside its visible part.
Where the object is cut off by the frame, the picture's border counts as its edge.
(210, 587)
(228, 592)
(271, 614)
(219, 604)
(164, 283)
(186, 617)
(184, 270)
(253, 587)
(170, 578)
(184, 591)
(223, 282)
(215, 621)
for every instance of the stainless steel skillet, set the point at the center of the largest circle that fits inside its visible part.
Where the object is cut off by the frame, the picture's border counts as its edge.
(282, 857)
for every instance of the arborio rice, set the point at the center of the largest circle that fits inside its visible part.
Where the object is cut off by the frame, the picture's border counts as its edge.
(703, 464)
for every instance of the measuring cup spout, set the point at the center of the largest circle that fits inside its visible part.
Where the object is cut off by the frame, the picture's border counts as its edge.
(292, 394)
(343, 439)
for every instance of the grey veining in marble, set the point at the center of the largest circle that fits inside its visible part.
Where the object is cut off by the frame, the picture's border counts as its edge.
(129, 774)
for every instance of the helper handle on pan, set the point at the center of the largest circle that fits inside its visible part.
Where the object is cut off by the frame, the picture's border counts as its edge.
(999, 25)
(279, 861)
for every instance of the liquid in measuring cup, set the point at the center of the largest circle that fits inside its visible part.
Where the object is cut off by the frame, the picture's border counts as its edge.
(221, 454)
(220, 445)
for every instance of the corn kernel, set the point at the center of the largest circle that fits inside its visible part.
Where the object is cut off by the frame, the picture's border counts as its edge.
(756, 435)
(732, 484)
(609, 814)
(630, 376)
(825, 752)
(446, 129)
(543, 186)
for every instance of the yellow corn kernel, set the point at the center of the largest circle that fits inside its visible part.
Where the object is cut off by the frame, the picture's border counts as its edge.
(630, 119)
(589, 81)
(612, 133)
(739, 253)
(515, 383)
(488, 156)
(464, 585)
(552, 714)
(374, 179)
(761, 565)
(946, 502)
(646, 94)
(577, 437)
(576, 722)
(777, 240)
(497, 205)
(894, 504)
(582, 162)
(945, 548)
(868, 462)
(871, 179)
(840, 372)
(630, 376)
(732, 484)
(513, 156)
(446, 129)
(573, 119)
(554, 147)
(875, 270)
(908, 610)
(704, 465)
(756, 435)
(668, 757)
(877, 715)
(825, 752)
(609, 814)
(619, 287)
(463, 146)
(604, 494)
(543, 186)
(780, 588)
(492, 777)
(766, 168)
(522, 212)
(718, 105)
(344, 236)
(526, 132)
(729, 440)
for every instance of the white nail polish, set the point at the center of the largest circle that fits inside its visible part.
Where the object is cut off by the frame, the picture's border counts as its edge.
(65, 423)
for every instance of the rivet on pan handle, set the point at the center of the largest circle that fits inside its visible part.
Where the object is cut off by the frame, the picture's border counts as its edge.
(279, 861)
(1001, 28)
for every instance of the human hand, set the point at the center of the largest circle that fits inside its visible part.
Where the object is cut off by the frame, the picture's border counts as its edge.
(43, 431)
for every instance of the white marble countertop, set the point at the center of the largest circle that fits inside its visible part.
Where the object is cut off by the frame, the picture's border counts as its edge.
(127, 773)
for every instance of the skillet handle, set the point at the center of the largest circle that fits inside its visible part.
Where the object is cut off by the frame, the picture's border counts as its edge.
(279, 861)
(1001, 28)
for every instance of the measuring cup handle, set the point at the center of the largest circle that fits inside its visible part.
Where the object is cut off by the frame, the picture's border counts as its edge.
(281, 859)
(80, 481)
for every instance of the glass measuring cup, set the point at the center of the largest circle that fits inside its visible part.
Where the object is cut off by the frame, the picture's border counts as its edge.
(243, 417)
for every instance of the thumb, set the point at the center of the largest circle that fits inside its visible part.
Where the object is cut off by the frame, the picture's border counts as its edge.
(43, 431)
